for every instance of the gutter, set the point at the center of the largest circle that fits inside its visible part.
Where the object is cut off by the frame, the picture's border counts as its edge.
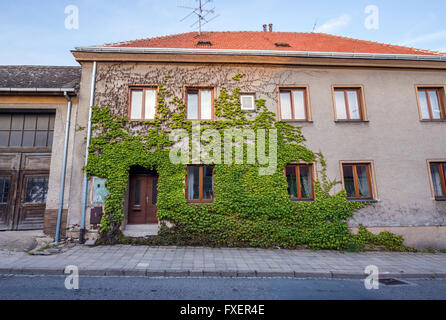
(72, 91)
(64, 167)
(275, 53)
(85, 181)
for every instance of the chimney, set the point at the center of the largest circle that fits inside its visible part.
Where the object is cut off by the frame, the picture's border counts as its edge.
(264, 28)
(270, 27)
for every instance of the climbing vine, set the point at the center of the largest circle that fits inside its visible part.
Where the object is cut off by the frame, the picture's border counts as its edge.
(248, 209)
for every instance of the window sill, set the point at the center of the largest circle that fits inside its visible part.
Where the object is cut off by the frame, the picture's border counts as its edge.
(440, 199)
(433, 120)
(306, 200)
(351, 121)
(298, 121)
(365, 200)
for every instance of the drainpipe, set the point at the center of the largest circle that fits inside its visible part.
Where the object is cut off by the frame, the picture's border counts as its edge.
(64, 167)
(85, 182)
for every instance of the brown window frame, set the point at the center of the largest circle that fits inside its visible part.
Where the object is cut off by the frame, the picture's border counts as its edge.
(187, 89)
(299, 187)
(370, 175)
(361, 102)
(440, 95)
(442, 166)
(200, 185)
(290, 89)
(143, 107)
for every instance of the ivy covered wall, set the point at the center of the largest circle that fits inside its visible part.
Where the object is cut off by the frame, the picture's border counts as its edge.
(248, 209)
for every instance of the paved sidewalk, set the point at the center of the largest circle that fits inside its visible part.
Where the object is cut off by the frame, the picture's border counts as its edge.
(127, 260)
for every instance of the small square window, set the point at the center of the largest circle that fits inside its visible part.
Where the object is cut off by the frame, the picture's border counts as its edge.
(247, 102)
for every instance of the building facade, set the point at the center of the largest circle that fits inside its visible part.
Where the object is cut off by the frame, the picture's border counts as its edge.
(376, 112)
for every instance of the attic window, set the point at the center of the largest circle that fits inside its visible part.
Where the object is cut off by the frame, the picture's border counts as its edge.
(282, 44)
(204, 43)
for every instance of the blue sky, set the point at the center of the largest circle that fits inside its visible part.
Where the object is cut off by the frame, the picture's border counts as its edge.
(33, 32)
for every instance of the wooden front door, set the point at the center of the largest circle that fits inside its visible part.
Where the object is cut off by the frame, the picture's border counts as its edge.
(142, 199)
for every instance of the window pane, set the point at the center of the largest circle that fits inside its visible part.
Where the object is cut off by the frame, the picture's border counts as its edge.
(292, 183)
(15, 139)
(150, 105)
(137, 193)
(17, 122)
(363, 182)
(436, 180)
(285, 106)
(4, 138)
(206, 104)
(436, 112)
(52, 118)
(136, 107)
(4, 189)
(341, 112)
(41, 138)
(192, 106)
(349, 181)
(30, 122)
(423, 105)
(299, 104)
(28, 139)
(50, 139)
(353, 104)
(42, 122)
(305, 182)
(5, 121)
(193, 181)
(208, 183)
(36, 190)
(247, 102)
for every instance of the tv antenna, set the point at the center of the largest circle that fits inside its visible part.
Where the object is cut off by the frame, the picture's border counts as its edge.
(314, 26)
(204, 15)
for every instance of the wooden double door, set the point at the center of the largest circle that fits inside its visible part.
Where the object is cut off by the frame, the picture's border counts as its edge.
(143, 194)
(22, 199)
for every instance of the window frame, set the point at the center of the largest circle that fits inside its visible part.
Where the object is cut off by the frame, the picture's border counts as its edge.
(142, 88)
(291, 88)
(371, 179)
(361, 102)
(297, 165)
(200, 184)
(441, 94)
(442, 176)
(253, 96)
(200, 88)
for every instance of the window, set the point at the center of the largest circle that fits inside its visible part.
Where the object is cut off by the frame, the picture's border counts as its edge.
(300, 181)
(438, 176)
(26, 129)
(199, 104)
(143, 103)
(430, 103)
(349, 104)
(36, 189)
(200, 183)
(357, 180)
(294, 104)
(247, 102)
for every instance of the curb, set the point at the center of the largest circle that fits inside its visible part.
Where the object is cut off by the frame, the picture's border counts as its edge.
(217, 273)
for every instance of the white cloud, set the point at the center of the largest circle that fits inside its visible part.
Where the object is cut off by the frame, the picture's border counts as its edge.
(425, 38)
(334, 24)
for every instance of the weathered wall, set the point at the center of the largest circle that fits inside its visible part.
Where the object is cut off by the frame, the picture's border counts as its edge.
(394, 138)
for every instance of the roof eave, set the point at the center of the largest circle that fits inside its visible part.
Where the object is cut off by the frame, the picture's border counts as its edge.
(275, 53)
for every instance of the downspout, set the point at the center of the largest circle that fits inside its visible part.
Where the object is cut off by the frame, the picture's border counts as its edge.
(64, 167)
(85, 182)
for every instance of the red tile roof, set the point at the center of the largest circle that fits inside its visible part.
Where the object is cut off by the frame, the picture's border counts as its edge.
(284, 41)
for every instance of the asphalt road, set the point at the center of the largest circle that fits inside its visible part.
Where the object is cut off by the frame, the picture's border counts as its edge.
(110, 288)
